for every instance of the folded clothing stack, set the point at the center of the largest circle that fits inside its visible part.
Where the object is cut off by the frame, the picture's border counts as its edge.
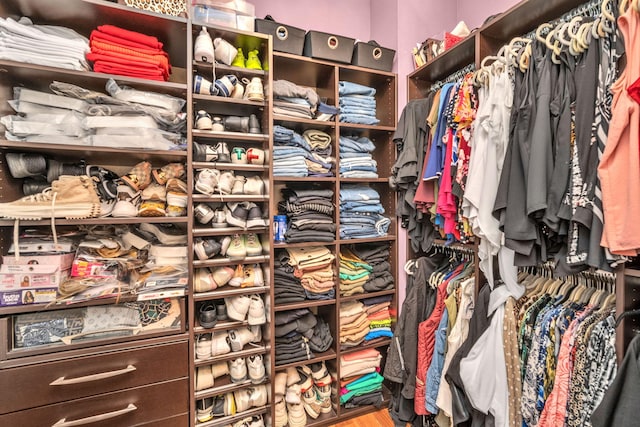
(357, 103)
(314, 267)
(361, 213)
(377, 256)
(360, 379)
(298, 334)
(354, 324)
(287, 287)
(47, 45)
(354, 273)
(309, 215)
(379, 316)
(118, 51)
(297, 155)
(127, 118)
(289, 99)
(356, 160)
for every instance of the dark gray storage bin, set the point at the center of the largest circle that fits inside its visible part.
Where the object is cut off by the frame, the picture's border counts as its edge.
(372, 55)
(321, 45)
(285, 37)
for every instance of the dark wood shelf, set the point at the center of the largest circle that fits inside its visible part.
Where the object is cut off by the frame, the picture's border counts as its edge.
(356, 126)
(366, 295)
(229, 291)
(224, 385)
(389, 238)
(99, 155)
(277, 178)
(301, 244)
(298, 122)
(631, 272)
(227, 100)
(303, 304)
(229, 166)
(215, 262)
(227, 231)
(220, 326)
(320, 357)
(99, 221)
(221, 198)
(248, 350)
(453, 59)
(327, 419)
(224, 421)
(230, 136)
(365, 180)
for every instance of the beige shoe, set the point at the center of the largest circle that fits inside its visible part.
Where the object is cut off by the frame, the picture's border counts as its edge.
(255, 90)
(311, 403)
(220, 344)
(280, 384)
(204, 378)
(203, 346)
(297, 415)
(72, 197)
(219, 369)
(259, 396)
(203, 280)
(281, 418)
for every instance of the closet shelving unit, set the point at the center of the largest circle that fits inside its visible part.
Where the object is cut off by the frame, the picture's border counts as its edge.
(520, 19)
(323, 76)
(158, 383)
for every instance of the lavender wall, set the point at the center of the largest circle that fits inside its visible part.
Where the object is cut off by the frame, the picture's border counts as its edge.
(346, 18)
(474, 12)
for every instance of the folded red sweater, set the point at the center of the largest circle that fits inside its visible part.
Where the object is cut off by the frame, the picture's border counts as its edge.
(118, 69)
(156, 61)
(124, 62)
(131, 36)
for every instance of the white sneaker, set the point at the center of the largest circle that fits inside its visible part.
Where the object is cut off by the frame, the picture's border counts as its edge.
(203, 120)
(222, 148)
(238, 185)
(225, 182)
(220, 344)
(203, 213)
(256, 330)
(127, 204)
(239, 338)
(252, 245)
(224, 51)
(238, 370)
(203, 346)
(203, 47)
(207, 181)
(256, 311)
(257, 372)
(259, 396)
(237, 307)
(254, 90)
(254, 186)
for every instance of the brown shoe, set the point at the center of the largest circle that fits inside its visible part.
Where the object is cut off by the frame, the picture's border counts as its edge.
(168, 171)
(139, 177)
(68, 197)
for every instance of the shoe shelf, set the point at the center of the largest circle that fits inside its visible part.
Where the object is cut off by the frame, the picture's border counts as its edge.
(33, 75)
(230, 166)
(229, 420)
(366, 295)
(99, 221)
(91, 154)
(202, 198)
(231, 292)
(320, 357)
(224, 385)
(304, 304)
(301, 244)
(304, 178)
(358, 127)
(226, 100)
(228, 261)
(202, 67)
(225, 231)
(248, 350)
(376, 343)
(231, 136)
(327, 419)
(295, 122)
(220, 326)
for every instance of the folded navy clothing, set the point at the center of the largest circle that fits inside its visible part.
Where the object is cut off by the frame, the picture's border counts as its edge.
(377, 300)
(374, 398)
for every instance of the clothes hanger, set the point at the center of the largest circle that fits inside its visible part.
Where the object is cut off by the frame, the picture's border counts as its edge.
(542, 27)
(624, 5)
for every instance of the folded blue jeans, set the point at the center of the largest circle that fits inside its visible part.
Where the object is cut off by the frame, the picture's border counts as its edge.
(358, 192)
(359, 119)
(350, 88)
(358, 110)
(361, 144)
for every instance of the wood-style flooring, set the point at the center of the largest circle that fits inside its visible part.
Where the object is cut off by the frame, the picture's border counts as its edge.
(375, 419)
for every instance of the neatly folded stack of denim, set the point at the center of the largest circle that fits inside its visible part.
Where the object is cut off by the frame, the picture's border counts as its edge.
(354, 273)
(354, 324)
(361, 213)
(314, 267)
(379, 317)
(377, 256)
(322, 162)
(357, 103)
(293, 100)
(286, 285)
(51, 46)
(356, 160)
(309, 214)
(295, 155)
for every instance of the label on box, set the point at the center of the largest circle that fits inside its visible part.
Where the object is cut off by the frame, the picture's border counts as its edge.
(14, 277)
(63, 261)
(27, 296)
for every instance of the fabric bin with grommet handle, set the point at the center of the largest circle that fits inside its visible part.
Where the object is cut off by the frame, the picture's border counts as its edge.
(331, 47)
(372, 55)
(286, 38)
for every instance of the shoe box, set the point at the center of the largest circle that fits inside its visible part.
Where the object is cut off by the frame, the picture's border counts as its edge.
(327, 46)
(237, 14)
(372, 55)
(286, 38)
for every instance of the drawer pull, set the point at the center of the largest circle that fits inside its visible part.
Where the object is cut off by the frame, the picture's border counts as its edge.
(95, 418)
(94, 377)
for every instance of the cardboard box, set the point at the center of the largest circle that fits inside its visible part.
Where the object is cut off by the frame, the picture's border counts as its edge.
(27, 296)
(16, 277)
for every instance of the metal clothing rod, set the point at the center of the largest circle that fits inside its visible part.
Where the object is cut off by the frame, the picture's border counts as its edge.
(454, 77)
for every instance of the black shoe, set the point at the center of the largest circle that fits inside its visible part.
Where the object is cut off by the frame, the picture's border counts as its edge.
(221, 310)
(32, 186)
(254, 124)
(236, 124)
(56, 168)
(22, 165)
(206, 248)
(106, 181)
(208, 316)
